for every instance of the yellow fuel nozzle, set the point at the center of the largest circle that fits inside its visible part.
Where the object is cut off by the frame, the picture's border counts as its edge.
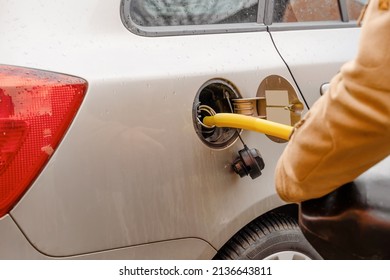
(249, 123)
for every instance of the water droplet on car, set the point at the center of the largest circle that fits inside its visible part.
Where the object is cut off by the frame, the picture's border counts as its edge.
(48, 150)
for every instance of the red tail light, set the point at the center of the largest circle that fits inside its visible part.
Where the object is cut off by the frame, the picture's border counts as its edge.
(36, 108)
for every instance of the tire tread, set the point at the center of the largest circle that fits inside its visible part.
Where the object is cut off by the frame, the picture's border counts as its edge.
(247, 238)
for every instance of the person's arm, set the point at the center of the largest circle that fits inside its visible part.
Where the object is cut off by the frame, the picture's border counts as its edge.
(348, 129)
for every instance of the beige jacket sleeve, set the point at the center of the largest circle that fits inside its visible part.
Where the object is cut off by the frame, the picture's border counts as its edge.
(348, 129)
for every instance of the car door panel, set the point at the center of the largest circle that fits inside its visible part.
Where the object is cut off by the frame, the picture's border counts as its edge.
(315, 56)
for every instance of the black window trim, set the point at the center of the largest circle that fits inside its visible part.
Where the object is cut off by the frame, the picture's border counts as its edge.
(264, 23)
(343, 10)
(311, 25)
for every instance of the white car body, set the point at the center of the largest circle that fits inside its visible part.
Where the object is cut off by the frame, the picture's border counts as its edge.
(131, 179)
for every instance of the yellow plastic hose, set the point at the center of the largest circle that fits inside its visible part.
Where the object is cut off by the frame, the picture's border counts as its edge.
(249, 123)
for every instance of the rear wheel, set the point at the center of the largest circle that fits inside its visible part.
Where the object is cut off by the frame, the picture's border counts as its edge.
(273, 236)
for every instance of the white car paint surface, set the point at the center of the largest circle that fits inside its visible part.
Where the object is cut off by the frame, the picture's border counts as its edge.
(131, 179)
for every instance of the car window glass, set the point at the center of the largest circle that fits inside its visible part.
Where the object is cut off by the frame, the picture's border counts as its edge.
(192, 12)
(354, 8)
(306, 10)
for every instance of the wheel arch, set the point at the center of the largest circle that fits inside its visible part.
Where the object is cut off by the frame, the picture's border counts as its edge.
(277, 221)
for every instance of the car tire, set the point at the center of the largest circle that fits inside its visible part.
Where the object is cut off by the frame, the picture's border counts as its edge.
(273, 236)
